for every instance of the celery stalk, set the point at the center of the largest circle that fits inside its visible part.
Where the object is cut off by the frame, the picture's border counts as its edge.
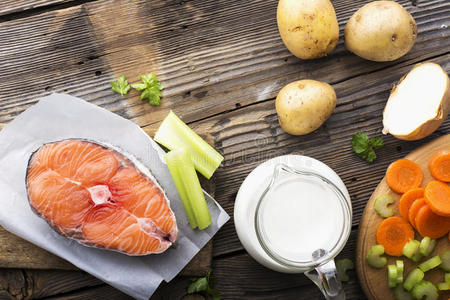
(173, 162)
(430, 264)
(414, 277)
(188, 186)
(174, 134)
(425, 289)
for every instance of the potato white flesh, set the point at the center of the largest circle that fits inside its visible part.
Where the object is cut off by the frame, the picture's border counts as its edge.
(418, 104)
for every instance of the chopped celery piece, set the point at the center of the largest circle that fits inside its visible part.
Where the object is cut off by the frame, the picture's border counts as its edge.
(374, 258)
(174, 134)
(414, 277)
(411, 250)
(425, 289)
(381, 205)
(443, 286)
(447, 278)
(401, 294)
(430, 264)
(392, 275)
(427, 246)
(400, 268)
(188, 186)
(445, 257)
(342, 265)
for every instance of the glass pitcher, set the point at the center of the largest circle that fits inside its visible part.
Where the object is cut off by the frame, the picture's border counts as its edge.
(302, 221)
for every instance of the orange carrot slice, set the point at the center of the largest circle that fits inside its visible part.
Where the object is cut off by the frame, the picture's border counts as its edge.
(439, 165)
(414, 209)
(403, 175)
(393, 233)
(431, 225)
(437, 195)
(407, 200)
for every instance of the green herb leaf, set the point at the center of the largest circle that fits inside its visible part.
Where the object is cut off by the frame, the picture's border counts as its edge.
(151, 88)
(360, 142)
(199, 285)
(120, 86)
(370, 155)
(138, 86)
(377, 142)
(204, 285)
(364, 147)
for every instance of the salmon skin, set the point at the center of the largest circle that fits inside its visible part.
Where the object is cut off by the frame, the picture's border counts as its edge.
(100, 197)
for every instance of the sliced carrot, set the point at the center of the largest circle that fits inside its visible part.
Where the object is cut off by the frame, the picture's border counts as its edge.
(407, 200)
(437, 195)
(431, 225)
(393, 233)
(403, 175)
(414, 209)
(439, 165)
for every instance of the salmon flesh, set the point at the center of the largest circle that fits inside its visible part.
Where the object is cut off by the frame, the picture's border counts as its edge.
(100, 197)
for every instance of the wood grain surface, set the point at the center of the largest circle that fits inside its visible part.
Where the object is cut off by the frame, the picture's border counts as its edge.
(222, 63)
(374, 281)
(14, 6)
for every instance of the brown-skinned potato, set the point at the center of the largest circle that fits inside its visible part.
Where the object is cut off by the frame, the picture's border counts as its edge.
(303, 106)
(308, 28)
(380, 31)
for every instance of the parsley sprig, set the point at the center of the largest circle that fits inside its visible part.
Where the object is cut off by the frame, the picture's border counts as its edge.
(204, 285)
(365, 147)
(120, 86)
(150, 87)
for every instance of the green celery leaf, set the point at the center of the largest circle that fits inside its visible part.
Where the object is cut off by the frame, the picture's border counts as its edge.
(138, 86)
(199, 285)
(150, 87)
(377, 142)
(120, 86)
(370, 155)
(360, 142)
(365, 147)
(213, 293)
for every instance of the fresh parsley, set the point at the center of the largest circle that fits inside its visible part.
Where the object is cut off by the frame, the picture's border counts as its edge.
(120, 86)
(204, 285)
(365, 147)
(150, 87)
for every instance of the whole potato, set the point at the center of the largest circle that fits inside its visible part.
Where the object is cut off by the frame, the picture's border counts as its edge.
(303, 106)
(380, 31)
(308, 28)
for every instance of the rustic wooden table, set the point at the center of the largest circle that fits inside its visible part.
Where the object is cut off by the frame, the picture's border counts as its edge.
(222, 63)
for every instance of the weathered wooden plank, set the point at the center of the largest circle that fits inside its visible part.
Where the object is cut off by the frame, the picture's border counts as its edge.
(20, 284)
(14, 6)
(17, 253)
(102, 292)
(210, 58)
(217, 63)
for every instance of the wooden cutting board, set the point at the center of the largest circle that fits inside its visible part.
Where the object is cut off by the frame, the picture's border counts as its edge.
(374, 281)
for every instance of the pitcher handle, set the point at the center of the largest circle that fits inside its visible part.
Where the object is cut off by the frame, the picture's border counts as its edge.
(325, 277)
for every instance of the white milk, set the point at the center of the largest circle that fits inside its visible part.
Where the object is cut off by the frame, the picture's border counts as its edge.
(299, 217)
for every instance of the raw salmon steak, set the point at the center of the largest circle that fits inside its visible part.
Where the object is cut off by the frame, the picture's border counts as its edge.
(100, 197)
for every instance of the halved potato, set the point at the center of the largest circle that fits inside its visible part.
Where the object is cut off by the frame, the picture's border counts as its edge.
(418, 104)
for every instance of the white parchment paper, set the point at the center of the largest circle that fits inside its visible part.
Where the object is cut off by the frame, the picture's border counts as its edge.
(61, 116)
